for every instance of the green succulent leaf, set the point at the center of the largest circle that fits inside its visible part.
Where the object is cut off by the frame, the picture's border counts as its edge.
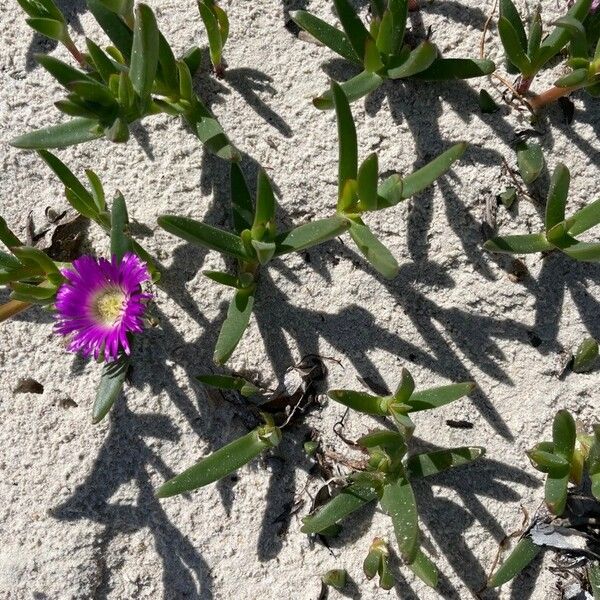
(64, 73)
(66, 134)
(356, 32)
(424, 569)
(220, 463)
(398, 501)
(519, 244)
(351, 498)
(227, 382)
(205, 235)
(111, 383)
(55, 30)
(373, 250)
(310, 234)
(326, 34)
(387, 439)
(265, 201)
(509, 12)
(114, 27)
(358, 86)
(241, 200)
(439, 396)
(432, 463)
(372, 62)
(584, 251)
(120, 242)
(557, 196)
(523, 553)
(585, 355)
(420, 59)
(585, 218)
(347, 143)
(144, 51)
(361, 401)
(368, 174)
(103, 64)
(215, 41)
(486, 103)
(7, 237)
(443, 69)
(236, 322)
(573, 79)
(593, 571)
(530, 160)
(422, 178)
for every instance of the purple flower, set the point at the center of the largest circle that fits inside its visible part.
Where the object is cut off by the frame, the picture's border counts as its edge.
(100, 303)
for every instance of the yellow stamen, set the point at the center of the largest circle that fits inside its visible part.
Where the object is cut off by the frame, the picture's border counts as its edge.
(108, 306)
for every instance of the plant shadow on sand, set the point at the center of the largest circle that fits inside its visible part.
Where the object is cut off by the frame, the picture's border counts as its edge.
(126, 456)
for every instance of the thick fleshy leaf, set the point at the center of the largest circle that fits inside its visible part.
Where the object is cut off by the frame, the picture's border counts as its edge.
(564, 434)
(584, 251)
(416, 182)
(585, 356)
(351, 498)
(205, 235)
(432, 463)
(236, 322)
(227, 382)
(557, 196)
(593, 571)
(530, 160)
(593, 463)
(358, 86)
(114, 27)
(486, 103)
(519, 244)
(368, 174)
(222, 278)
(326, 34)
(347, 143)
(398, 501)
(66, 134)
(265, 201)
(523, 553)
(210, 132)
(387, 439)
(509, 12)
(310, 234)
(421, 58)
(372, 62)
(120, 242)
(217, 465)
(7, 236)
(399, 11)
(424, 569)
(167, 66)
(373, 250)
(405, 388)
(573, 79)
(102, 62)
(144, 51)
(585, 218)
(64, 73)
(356, 32)
(32, 257)
(51, 28)
(438, 396)
(361, 401)
(111, 383)
(515, 52)
(443, 69)
(555, 490)
(215, 43)
(535, 33)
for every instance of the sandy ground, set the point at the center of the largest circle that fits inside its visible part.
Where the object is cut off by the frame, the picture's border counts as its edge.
(77, 514)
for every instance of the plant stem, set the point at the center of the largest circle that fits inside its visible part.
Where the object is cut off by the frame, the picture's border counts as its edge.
(12, 308)
(413, 5)
(549, 96)
(72, 48)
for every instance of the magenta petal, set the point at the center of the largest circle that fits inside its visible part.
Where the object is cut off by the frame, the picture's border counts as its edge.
(77, 314)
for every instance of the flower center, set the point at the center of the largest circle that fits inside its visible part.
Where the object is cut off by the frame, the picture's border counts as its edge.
(108, 306)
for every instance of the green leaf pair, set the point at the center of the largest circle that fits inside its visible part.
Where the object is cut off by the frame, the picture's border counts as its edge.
(403, 401)
(559, 231)
(359, 190)
(528, 52)
(254, 243)
(381, 51)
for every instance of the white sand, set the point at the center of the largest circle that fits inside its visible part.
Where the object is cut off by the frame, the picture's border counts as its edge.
(77, 513)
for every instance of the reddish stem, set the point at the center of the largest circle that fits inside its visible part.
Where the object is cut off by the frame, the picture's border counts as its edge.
(413, 5)
(79, 57)
(11, 308)
(549, 96)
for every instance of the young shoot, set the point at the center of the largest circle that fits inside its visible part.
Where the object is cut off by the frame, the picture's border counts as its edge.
(114, 87)
(560, 232)
(216, 23)
(381, 50)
